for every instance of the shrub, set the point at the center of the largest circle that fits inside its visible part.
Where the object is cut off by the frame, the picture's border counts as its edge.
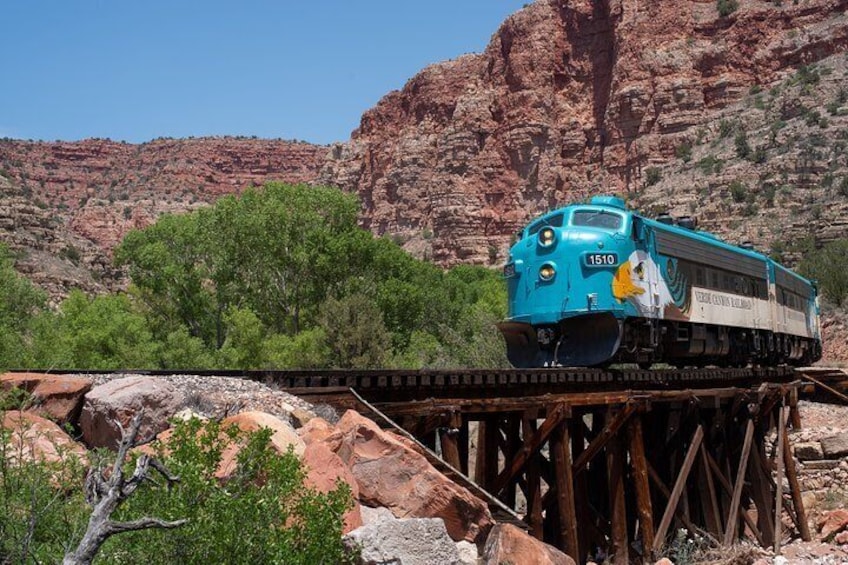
(738, 190)
(263, 514)
(653, 175)
(684, 152)
(726, 7)
(710, 165)
(743, 148)
(843, 186)
(725, 128)
(41, 504)
(827, 266)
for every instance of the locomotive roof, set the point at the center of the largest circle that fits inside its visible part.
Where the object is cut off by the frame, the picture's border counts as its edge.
(615, 204)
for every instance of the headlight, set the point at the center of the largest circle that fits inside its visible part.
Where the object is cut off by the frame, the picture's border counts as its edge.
(547, 237)
(547, 272)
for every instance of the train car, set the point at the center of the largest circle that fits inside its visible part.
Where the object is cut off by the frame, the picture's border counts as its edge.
(594, 284)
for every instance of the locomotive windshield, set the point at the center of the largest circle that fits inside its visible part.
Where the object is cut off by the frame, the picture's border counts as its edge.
(553, 221)
(597, 219)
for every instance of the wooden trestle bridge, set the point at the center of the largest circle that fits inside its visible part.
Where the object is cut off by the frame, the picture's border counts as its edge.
(610, 461)
(590, 460)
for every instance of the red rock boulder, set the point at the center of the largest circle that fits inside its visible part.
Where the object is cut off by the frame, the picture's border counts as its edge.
(316, 429)
(283, 435)
(509, 544)
(119, 400)
(833, 521)
(35, 438)
(57, 397)
(323, 470)
(392, 475)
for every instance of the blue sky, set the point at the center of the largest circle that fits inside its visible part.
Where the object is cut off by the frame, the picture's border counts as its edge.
(139, 70)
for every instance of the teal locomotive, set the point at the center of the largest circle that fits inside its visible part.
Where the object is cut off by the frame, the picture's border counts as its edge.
(594, 284)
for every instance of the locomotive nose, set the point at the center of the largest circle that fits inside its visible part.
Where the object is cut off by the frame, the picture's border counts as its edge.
(580, 341)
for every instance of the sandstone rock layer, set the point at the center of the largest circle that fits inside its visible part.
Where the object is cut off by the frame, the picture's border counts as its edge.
(392, 475)
(116, 402)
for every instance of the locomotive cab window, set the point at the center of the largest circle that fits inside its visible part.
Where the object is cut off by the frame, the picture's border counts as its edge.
(597, 219)
(553, 221)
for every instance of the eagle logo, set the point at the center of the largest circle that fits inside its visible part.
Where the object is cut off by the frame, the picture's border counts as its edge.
(640, 282)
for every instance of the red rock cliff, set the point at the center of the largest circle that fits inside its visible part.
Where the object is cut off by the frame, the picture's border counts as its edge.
(569, 98)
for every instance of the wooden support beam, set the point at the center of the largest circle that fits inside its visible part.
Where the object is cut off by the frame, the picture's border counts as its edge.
(732, 519)
(564, 481)
(463, 446)
(664, 490)
(601, 440)
(709, 500)
(581, 491)
(449, 439)
(639, 466)
(486, 466)
(533, 441)
(728, 489)
(534, 482)
(795, 490)
(615, 456)
(679, 485)
(794, 413)
(512, 430)
(829, 389)
(761, 493)
(778, 491)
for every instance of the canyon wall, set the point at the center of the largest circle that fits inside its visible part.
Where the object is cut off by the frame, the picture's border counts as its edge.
(569, 99)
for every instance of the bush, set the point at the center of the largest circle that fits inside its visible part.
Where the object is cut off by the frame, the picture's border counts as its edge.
(40, 506)
(743, 148)
(263, 514)
(710, 165)
(827, 266)
(684, 152)
(739, 191)
(653, 175)
(726, 7)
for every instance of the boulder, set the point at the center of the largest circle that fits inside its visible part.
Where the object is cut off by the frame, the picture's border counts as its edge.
(323, 470)
(375, 515)
(316, 429)
(283, 437)
(410, 541)
(35, 438)
(57, 397)
(823, 465)
(392, 475)
(468, 554)
(117, 401)
(509, 544)
(841, 537)
(809, 451)
(833, 521)
(835, 446)
(664, 561)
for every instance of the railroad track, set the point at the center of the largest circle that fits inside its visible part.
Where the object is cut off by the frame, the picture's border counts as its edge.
(387, 385)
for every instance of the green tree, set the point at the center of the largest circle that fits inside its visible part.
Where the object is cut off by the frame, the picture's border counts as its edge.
(243, 347)
(306, 350)
(827, 266)
(278, 251)
(21, 305)
(104, 332)
(355, 333)
(170, 265)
